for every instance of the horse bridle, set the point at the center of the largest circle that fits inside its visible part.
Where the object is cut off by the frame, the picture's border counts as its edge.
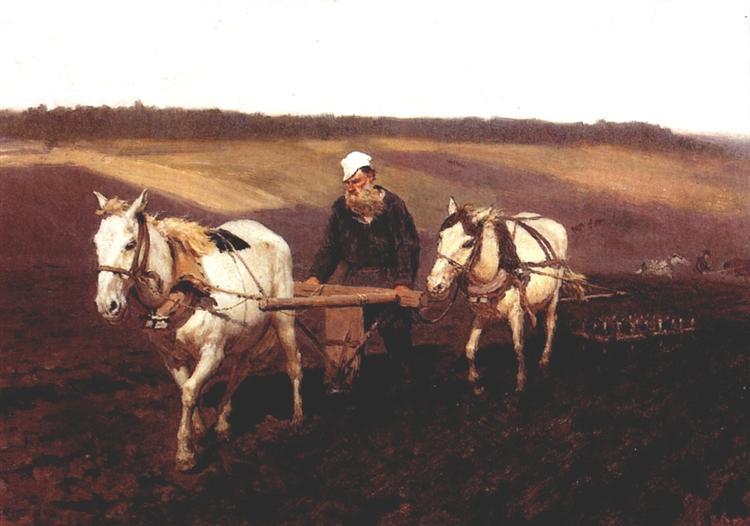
(460, 268)
(149, 286)
(465, 267)
(137, 274)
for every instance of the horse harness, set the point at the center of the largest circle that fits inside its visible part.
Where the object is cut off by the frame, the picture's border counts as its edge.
(149, 287)
(484, 296)
(150, 295)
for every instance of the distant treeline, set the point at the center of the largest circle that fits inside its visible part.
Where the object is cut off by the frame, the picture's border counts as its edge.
(140, 121)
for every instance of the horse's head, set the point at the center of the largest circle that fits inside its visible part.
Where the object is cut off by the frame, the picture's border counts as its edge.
(116, 244)
(457, 240)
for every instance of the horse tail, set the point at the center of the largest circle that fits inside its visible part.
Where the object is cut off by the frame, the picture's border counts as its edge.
(573, 283)
(283, 280)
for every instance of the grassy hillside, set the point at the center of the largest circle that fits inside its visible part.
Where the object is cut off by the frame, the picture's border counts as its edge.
(625, 203)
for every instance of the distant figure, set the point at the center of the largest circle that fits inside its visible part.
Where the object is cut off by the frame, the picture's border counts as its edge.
(703, 263)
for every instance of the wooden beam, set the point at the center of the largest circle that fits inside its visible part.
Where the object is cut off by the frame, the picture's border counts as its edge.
(334, 300)
(412, 298)
(595, 296)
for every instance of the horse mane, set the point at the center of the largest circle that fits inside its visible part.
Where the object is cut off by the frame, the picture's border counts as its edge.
(464, 215)
(114, 206)
(190, 235)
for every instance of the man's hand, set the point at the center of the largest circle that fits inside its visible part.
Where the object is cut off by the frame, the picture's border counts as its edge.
(402, 289)
(312, 280)
(406, 297)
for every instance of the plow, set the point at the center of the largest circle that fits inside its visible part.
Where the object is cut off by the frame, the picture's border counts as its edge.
(344, 334)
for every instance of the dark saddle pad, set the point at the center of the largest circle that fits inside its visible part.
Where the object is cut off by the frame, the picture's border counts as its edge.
(226, 241)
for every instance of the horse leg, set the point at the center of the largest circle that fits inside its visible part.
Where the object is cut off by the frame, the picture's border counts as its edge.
(515, 320)
(284, 325)
(551, 322)
(241, 370)
(211, 357)
(223, 427)
(181, 375)
(237, 375)
(472, 344)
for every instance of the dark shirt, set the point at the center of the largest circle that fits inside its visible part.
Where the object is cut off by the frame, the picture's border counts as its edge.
(389, 242)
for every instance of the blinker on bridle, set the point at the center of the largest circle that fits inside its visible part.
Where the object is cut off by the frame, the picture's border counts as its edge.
(471, 229)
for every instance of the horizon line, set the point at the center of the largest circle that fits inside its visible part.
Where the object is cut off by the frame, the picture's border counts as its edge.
(680, 131)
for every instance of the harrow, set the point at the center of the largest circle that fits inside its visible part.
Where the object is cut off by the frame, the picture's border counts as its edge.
(633, 327)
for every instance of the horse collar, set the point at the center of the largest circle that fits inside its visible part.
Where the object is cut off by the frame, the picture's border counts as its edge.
(496, 287)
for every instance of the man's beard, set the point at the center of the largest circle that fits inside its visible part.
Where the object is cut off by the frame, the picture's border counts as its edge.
(368, 203)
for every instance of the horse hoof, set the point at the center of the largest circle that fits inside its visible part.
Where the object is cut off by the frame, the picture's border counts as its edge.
(337, 391)
(186, 463)
(224, 433)
(544, 363)
(478, 390)
(297, 420)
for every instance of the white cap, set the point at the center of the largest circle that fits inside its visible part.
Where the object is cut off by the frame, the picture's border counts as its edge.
(353, 162)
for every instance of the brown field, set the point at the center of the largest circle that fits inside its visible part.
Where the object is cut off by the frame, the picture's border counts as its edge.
(649, 204)
(655, 433)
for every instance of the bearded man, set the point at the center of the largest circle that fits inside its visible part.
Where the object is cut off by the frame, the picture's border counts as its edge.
(372, 234)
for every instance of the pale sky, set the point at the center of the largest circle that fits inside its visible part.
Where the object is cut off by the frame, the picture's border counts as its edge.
(684, 64)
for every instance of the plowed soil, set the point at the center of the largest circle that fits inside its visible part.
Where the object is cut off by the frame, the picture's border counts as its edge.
(650, 433)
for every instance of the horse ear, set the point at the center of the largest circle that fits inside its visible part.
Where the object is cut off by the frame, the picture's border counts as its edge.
(452, 206)
(101, 199)
(139, 205)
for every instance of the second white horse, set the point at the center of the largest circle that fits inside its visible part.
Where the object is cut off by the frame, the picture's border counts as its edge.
(469, 247)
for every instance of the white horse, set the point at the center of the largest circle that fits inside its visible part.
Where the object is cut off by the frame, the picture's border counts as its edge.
(136, 263)
(662, 267)
(469, 247)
